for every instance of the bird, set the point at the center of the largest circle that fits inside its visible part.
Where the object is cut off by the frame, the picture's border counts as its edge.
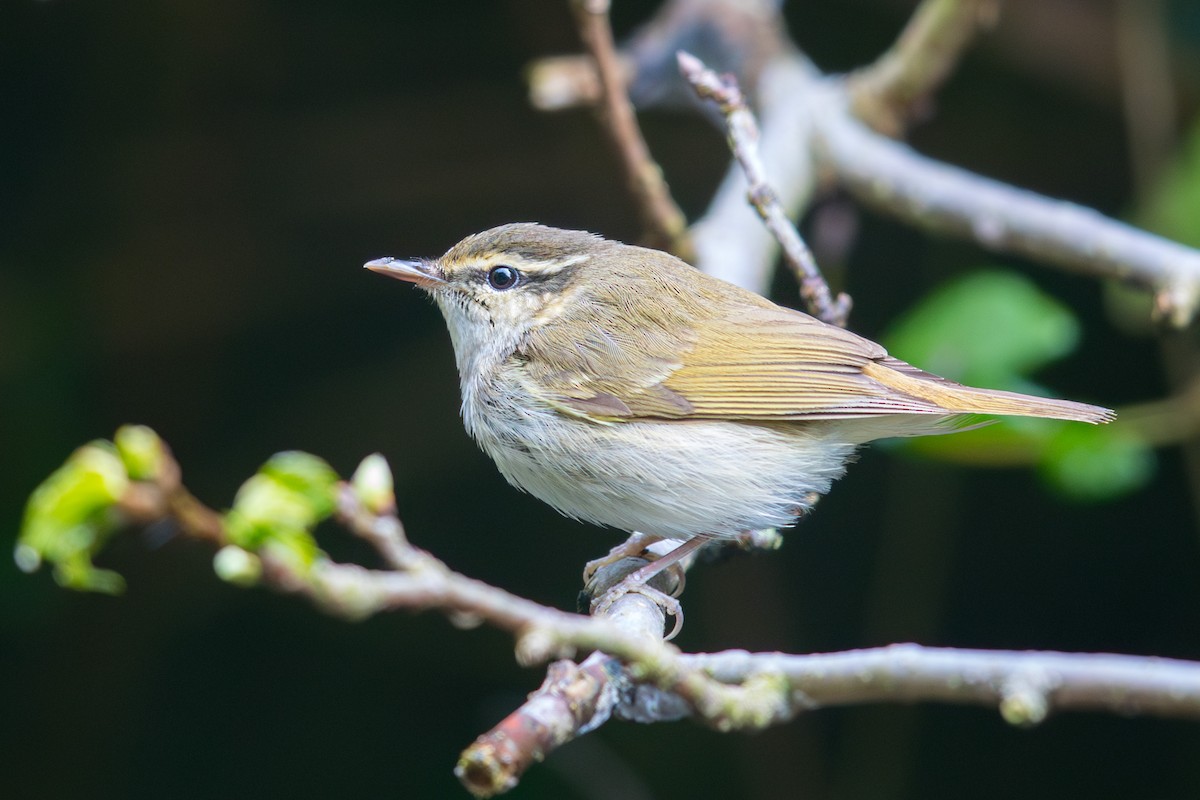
(628, 389)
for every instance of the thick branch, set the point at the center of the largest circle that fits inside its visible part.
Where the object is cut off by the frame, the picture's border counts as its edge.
(665, 223)
(885, 94)
(944, 199)
(743, 140)
(573, 700)
(1025, 685)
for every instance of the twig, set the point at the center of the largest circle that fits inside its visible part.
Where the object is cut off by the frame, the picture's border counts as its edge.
(742, 35)
(664, 220)
(420, 581)
(731, 241)
(944, 199)
(743, 140)
(885, 94)
(1148, 91)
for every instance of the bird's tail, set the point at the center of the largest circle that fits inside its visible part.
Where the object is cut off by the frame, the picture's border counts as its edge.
(954, 398)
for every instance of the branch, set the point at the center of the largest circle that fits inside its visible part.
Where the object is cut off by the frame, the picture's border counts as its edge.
(573, 700)
(743, 140)
(731, 241)
(886, 94)
(418, 581)
(739, 35)
(809, 117)
(633, 674)
(948, 200)
(1025, 685)
(665, 223)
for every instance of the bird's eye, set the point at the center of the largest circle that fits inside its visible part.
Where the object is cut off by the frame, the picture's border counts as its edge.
(501, 278)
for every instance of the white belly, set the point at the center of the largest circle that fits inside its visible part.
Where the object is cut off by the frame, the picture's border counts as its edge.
(674, 479)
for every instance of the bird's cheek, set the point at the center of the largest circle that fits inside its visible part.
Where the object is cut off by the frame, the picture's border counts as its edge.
(548, 308)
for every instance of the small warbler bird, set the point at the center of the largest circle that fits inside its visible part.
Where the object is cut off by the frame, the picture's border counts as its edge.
(626, 388)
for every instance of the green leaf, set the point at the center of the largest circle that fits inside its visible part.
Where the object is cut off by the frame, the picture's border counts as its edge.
(988, 328)
(1174, 205)
(1096, 463)
(70, 517)
(278, 507)
(306, 475)
(992, 329)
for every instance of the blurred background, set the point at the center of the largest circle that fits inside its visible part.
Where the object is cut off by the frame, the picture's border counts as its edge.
(187, 192)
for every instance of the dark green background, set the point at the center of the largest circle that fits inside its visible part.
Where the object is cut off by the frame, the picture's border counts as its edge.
(187, 191)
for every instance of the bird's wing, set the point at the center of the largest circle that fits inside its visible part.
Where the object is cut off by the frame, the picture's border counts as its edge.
(748, 360)
(708, 350)
(774, 363)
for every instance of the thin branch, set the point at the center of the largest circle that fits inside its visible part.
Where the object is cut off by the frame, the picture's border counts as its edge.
(664, 220)
(420, 581)
(731, 241)
(743, 140)
(948, 200)
(886, 93)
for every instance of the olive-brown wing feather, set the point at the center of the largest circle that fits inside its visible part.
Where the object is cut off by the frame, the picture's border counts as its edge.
(709, 350)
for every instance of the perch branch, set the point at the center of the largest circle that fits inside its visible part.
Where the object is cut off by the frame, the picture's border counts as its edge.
(743, 140)
(664, 221)
(633, 674)
(888, 92)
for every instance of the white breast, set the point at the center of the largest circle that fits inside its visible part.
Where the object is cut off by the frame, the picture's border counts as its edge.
(675, 479)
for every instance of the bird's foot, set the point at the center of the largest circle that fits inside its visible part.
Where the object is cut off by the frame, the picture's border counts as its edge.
(638, 580)
(630, 548)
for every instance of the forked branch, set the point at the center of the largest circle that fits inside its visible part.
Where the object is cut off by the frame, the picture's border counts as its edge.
(633, 674)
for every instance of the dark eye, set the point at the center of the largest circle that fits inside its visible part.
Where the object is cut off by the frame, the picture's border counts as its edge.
(501, 278)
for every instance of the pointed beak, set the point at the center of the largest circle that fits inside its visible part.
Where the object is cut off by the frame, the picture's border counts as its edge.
(422, 273)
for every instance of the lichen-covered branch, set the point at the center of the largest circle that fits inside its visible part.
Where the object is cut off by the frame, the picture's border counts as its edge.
(1025, 686)
(568, 703)
(573, 700)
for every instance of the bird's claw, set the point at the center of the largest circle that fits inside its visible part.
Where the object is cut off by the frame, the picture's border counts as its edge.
(630, 548)
(632, 584)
